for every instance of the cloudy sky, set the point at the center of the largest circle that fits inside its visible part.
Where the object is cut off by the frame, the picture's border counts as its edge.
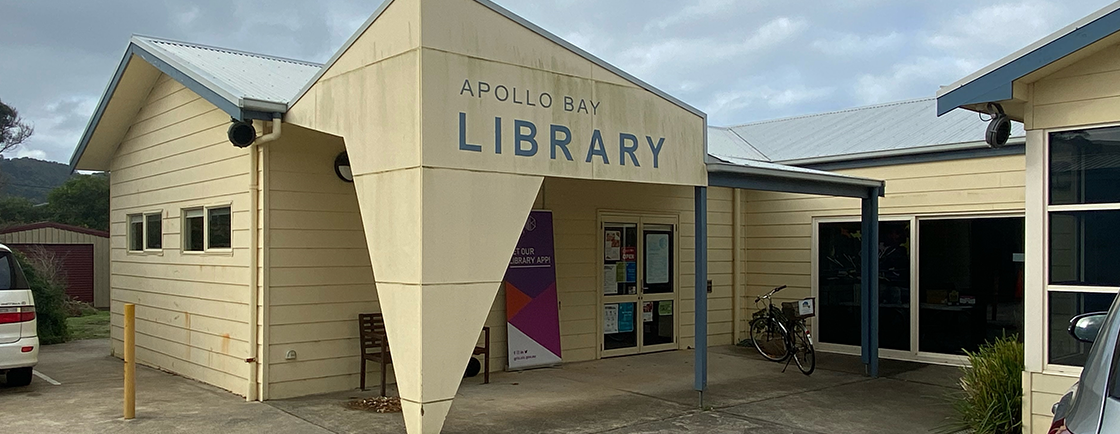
(738, 60)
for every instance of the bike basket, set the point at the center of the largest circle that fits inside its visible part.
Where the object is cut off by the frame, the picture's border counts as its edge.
(798, 310)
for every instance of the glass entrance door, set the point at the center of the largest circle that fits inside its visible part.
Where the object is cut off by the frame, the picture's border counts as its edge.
(639, 285)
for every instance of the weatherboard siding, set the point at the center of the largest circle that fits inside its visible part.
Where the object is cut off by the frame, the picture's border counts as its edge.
(1084, 93)
(778, 227)
(319, 273)
(191, 309)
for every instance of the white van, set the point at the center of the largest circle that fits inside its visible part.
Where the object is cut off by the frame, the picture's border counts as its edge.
(19, 340)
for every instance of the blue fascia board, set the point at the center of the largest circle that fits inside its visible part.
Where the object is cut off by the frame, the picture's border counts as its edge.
(932, 157)
(765, 183)
(997, 84)
(100, 110)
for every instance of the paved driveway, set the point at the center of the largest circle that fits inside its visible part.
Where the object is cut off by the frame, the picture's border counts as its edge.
(639, 394)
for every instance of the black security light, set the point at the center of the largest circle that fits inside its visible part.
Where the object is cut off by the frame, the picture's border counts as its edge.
(999, 128)
(241, 133)
(342, 167)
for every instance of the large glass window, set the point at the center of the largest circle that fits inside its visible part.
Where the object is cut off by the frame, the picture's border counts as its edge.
(1084, 247)
(970, 287)
(1085, 166)
(1064, 349)
(1083, 241)
(839, 283)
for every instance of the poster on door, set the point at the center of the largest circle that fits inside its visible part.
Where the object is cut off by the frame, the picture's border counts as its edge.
(657, 259)
(532, 312)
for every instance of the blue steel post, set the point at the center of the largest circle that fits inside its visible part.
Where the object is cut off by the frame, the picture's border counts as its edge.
(869, 283)
(701, 288)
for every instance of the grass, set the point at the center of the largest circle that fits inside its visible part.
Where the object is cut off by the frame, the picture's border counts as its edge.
(93, 326)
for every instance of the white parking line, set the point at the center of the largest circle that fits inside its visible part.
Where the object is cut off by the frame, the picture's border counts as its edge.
(46, 378)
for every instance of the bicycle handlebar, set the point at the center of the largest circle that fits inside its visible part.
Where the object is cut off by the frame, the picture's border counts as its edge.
(769, 294)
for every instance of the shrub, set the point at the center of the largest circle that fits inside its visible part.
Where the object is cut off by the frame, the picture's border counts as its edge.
(991, 400)
(43, 272)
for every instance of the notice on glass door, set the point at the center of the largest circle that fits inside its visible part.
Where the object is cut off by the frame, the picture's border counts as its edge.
(610, 279)
(626, 317)
(610, 319)
(612, 248)
(657, 258)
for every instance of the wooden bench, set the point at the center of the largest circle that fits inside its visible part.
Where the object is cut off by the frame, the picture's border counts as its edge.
(375, 347)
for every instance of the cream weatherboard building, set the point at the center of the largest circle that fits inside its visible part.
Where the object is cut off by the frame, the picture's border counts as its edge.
(397, 178)
(1064, 89)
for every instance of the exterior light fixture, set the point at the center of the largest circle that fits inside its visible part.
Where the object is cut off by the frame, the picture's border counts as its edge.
(342, 167)
(241, 133)
(999, 128)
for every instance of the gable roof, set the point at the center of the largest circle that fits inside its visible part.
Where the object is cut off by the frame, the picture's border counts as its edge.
(873, 131)
(994, 82)
(244, 85)
(524, 23)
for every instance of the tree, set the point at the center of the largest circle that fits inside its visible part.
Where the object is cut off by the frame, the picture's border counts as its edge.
(82, 201)
(13, 129)
(18, 210)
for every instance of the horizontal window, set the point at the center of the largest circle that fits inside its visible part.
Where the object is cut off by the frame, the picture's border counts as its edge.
(1084, 246)
(1085, 166)
(1064, 349)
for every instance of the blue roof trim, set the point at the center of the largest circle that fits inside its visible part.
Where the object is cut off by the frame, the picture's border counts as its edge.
(784, 185)
(203, 91)
(996, 85)
(932, 157)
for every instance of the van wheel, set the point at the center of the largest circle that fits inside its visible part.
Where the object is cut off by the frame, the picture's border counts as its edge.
(19, 377)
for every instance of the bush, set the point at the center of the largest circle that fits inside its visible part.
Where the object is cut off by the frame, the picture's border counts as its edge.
(991, 401)
(44, 275)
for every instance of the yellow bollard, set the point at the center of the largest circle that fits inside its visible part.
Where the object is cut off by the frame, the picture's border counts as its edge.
(129, 361)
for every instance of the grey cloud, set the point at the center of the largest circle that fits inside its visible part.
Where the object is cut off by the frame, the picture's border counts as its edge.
(737, 59)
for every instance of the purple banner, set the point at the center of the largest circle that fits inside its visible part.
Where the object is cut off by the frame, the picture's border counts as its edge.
(532, 314)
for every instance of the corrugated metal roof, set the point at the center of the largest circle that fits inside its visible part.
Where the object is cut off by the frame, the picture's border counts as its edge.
(247, 76)
(722, 142)
(884, 127)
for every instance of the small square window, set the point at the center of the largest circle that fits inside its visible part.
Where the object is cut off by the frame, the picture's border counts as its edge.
(220, 231)
(153, 238)
(135, 233)
(194, 230)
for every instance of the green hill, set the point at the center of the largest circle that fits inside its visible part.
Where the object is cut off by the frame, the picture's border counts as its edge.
(31, 178)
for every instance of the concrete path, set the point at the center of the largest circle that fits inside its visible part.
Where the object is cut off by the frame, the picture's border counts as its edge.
(639, 394)
(89, 400)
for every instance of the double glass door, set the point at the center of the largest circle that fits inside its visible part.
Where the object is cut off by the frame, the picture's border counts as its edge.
(639, 285)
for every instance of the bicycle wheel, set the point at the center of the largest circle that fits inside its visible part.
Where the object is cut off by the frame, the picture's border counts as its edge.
(769, 338)
(803, 352)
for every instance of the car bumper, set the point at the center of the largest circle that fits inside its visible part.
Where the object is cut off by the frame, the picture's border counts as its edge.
(12, 355)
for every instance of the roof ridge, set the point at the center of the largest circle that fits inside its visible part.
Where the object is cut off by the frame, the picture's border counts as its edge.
(752, 146)
(847, 110)
(228, 50)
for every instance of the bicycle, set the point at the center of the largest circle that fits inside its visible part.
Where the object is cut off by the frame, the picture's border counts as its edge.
(782, 336)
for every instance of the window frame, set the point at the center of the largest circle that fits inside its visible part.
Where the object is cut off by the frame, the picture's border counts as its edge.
(206, 249)
(1047, 210)
(147, 234)
(915, 220)
(130, 237)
